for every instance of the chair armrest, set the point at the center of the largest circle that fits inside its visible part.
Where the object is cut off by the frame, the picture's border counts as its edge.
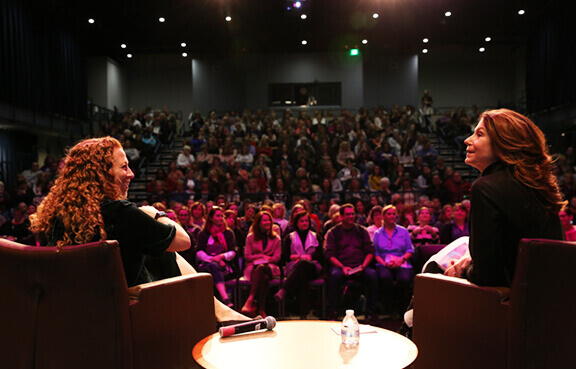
(169, 317)
(459, 324)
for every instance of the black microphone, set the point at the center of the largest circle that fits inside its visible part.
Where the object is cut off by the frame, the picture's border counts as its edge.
(254, 325)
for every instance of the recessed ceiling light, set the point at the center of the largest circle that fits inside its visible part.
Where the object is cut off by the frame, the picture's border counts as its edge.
(161, 19)
(488, 39)
(183, 44)
(364, 41)
(448, 14)
(91, 20)
(184, 54)
(425, 40)
(304, 42)
(375, 15)
(303, 16)
(123, 46)
(129, 55)
(481, 49)
(521, 12)
(228, 18)
(424, 51)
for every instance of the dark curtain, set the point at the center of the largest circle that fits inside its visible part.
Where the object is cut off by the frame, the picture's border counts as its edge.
(551, 59)
(41, 64)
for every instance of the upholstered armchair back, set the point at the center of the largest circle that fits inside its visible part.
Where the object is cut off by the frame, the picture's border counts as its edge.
(63, 308)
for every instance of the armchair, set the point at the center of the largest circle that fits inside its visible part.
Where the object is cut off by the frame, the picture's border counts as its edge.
(531, 325)
(71, 308)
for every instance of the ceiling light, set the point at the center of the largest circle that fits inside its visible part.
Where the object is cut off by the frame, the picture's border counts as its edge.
(364, 41)
(424, 51)
(91, 20)
(375, 15)
(161, 19)
(183, 44)
(425, 40)
(303, 16)
(297, 4)
(228, 18)
(123, 46)
(481, 49)
(129, 56)
(488, 39)
(521, 12)
(448, 14)
(184, 54)
(304, 42)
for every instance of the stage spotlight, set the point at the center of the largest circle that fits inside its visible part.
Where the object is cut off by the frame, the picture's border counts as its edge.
(91, 20)
(123, 46)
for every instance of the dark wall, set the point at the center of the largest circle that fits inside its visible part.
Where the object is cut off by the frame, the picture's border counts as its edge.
(41, 67)
(551, 57)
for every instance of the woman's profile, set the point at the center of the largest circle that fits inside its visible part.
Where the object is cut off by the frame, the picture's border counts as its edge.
(516, 196)
(88, 202)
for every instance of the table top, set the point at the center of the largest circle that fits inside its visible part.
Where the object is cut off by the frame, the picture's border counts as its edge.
(305, 344)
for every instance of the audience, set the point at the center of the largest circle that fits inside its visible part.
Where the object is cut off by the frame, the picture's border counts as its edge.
(242, 161)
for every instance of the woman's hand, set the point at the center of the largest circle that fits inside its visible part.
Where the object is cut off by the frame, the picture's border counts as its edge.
(458, 267)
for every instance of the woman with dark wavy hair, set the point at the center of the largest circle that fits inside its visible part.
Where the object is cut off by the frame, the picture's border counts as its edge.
(88, 202)
(516, 196)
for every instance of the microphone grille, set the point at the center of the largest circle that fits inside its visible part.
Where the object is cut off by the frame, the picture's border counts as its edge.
(270, 322)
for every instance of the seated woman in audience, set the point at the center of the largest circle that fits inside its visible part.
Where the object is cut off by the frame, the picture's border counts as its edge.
(374, 220)
(216, 251)
(302, 253)
(375, 179)
(198, 213)
(262, 255)
(393, 250)
(566, 218)
(458, 227)
(94, 182)
(231, 217)
(407, 216)
(279, 214)
(445, 216)
(424, 233)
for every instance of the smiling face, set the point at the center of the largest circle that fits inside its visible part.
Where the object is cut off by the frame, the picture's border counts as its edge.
(218, 218)
(389, 217)
(122, 172)
(265, 223)
(479, 152)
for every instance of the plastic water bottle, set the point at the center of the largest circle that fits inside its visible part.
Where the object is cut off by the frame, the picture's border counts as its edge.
(350, 331)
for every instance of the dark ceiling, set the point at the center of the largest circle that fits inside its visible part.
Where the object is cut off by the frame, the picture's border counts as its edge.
(260, 26)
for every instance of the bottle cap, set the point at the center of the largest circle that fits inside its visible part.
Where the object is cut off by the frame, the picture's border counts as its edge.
(349, 312)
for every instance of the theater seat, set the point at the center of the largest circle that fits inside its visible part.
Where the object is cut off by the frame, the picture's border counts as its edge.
(71, 308)
(531, 325)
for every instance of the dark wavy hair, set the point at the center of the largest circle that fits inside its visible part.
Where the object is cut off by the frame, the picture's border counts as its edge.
(520, 144)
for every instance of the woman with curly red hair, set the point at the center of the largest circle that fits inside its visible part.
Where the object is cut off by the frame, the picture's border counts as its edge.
(88, 203)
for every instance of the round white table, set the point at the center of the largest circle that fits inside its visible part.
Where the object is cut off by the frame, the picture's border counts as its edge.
(305, 344)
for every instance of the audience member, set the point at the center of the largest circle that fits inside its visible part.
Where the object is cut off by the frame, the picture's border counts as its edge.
(216, 251)
(302, 259)
(262, 255)
(349, 251)
(393, 247)
(458, 227)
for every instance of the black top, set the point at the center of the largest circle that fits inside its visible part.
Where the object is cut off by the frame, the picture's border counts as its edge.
(503, 212)
(142, 240)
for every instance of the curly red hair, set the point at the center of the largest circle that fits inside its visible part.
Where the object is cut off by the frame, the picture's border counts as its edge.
(85, 180)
